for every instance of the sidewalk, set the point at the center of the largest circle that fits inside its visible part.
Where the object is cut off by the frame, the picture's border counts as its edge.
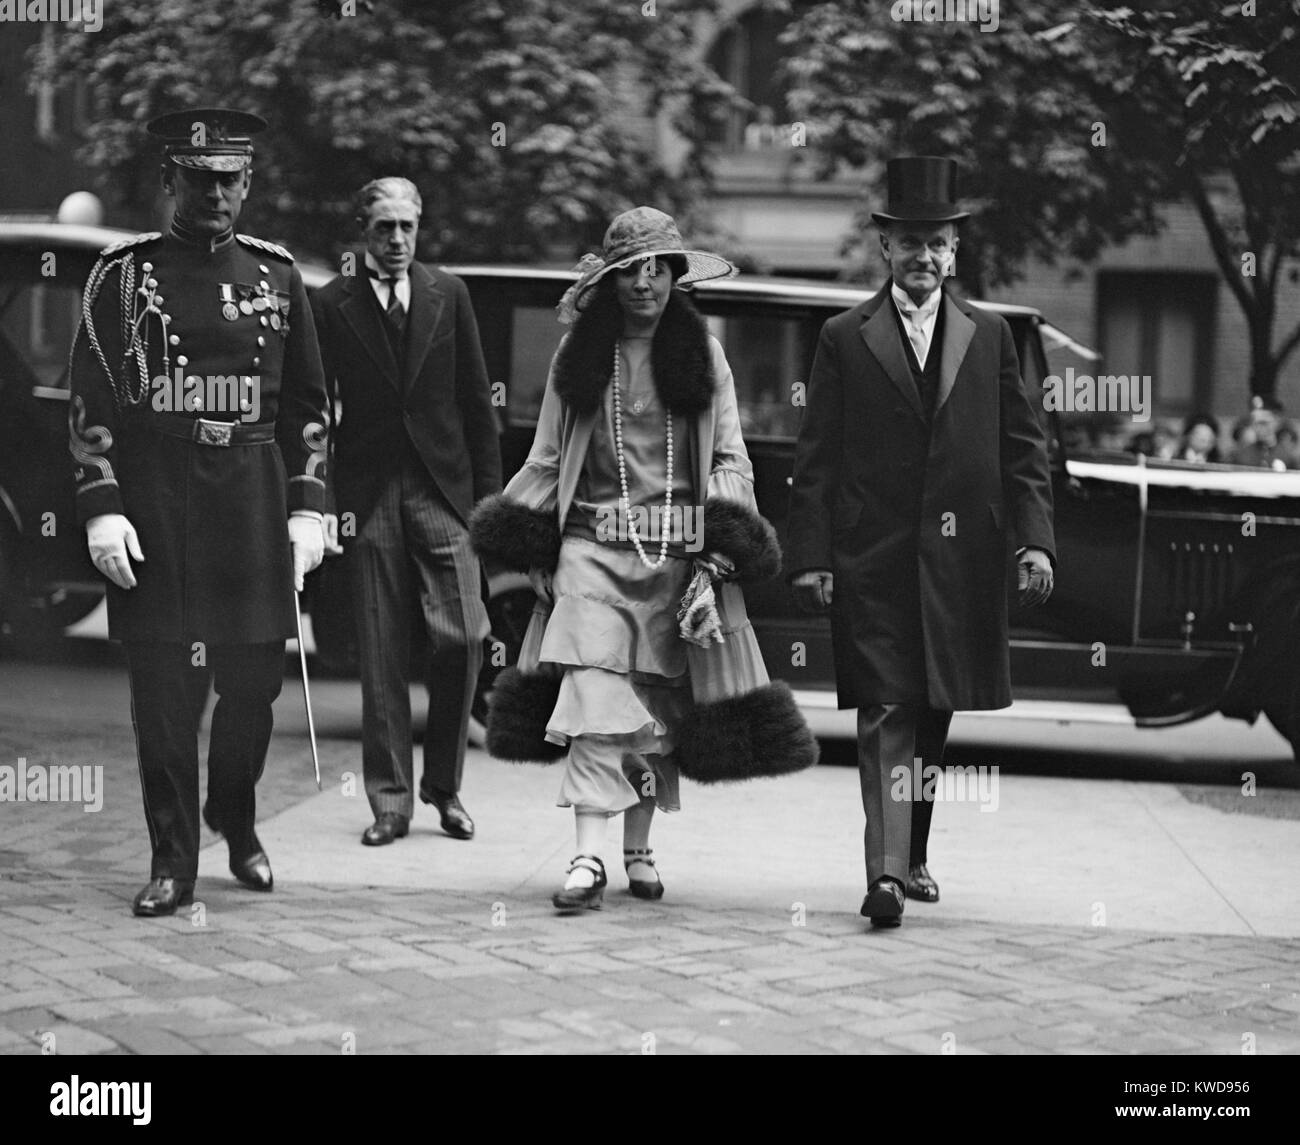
(1094, 916)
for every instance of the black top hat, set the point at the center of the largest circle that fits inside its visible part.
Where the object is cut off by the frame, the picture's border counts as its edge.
(922, 189)
(208, 138)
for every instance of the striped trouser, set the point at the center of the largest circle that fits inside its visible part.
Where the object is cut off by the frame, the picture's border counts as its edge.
(414, 547)
(891, 737)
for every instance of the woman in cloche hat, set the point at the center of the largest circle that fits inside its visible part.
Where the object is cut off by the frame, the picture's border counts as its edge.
(638, 444)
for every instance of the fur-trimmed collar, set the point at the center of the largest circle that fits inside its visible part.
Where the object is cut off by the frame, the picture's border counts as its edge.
(679, 356)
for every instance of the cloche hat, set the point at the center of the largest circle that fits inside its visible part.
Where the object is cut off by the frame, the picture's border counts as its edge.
(642, 232)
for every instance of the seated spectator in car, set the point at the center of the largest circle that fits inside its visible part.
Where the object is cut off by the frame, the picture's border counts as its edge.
(1108, 436)
(1266, 452)
(1200, 440)
(1242, 435)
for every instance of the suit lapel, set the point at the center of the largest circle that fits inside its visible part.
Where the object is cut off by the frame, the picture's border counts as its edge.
(880, 332)
(427, 303)
(361, 313)
(958, 330)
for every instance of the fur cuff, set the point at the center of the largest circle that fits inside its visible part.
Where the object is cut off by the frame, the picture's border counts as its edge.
(757, 734)
(519, 707)
(509, 534)
(743, 537)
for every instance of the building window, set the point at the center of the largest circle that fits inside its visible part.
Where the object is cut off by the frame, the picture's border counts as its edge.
(1160, 324)
(747, 55)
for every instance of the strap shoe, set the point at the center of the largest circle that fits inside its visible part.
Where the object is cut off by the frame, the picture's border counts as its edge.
(642, 888)
(583, 898)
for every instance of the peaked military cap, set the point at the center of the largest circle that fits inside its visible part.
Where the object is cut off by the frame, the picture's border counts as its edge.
(208, 138)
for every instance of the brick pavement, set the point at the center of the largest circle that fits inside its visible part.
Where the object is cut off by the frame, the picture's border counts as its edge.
(438, 946)
(315, 969)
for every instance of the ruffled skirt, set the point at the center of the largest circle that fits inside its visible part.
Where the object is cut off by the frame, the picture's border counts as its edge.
(625, 686)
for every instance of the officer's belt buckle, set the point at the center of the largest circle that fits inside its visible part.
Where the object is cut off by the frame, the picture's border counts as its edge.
(213, 432)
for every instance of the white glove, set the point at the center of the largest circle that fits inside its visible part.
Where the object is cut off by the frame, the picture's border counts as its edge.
(308, 541)
(110, 537)
(330, 524)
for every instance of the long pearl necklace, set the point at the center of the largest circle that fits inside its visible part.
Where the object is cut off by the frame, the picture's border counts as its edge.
(625, 500)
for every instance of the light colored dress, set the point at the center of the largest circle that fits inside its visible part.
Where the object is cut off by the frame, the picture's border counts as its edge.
(628, 679)
(613, 628)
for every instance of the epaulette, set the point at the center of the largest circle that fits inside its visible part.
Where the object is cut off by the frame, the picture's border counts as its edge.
(262, 244)
(134, 240)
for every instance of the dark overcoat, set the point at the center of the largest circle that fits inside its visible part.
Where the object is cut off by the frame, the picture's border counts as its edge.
(918, 518)
(211, 519)
(438, 400)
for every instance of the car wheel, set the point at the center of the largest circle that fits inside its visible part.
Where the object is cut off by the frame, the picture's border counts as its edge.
(1285, 716)
(510, 605)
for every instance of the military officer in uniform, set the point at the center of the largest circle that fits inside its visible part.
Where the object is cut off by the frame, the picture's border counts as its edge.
(198, 431)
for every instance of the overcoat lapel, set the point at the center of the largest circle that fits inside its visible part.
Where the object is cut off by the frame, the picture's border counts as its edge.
(880, 332)
(958, 330)
(361, 313)
(427, 303)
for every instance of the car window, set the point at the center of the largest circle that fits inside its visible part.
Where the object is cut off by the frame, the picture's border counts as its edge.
(1033, 369)
(37, 323)
(769, 351)
(534, 336)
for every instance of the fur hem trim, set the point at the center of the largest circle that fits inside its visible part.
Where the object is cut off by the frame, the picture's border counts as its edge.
(510, 534)
(680, 358)
(743, 537)
(752, 736)
(519, 708)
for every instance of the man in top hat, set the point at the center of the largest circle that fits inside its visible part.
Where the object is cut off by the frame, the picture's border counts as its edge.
(198, 432)
(920, 468)
(416, 448)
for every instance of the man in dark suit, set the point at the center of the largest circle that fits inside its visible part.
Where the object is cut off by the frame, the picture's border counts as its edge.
(415, 447)
(920, 463)
(197, 423)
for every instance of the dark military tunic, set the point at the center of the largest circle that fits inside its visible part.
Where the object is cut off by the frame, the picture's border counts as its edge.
(175, 332)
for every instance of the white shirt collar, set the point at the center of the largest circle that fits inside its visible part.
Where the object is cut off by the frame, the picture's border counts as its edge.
(909, 309)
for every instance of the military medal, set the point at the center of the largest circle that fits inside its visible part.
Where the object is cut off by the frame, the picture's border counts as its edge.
(275, 322)
(229, 311)
(259, 303)
(245, 307)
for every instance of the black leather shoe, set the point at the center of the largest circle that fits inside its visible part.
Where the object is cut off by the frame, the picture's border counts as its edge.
(387, 827)
(253, 869)
(583, 898)
(248, 864)
(884, 902)
(455, 821)
(163, 896)
(921, 885)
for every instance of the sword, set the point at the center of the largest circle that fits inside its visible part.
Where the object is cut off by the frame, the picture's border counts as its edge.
(306, 691)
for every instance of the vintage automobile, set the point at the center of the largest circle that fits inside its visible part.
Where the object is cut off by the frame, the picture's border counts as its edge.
(1178, 589)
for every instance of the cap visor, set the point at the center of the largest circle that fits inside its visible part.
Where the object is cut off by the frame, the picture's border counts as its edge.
(220, 163)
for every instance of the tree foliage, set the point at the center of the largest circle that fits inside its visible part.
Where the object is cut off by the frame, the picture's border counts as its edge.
(871, 87)
(506, 113)
(1073, 126)
(1218, 87)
